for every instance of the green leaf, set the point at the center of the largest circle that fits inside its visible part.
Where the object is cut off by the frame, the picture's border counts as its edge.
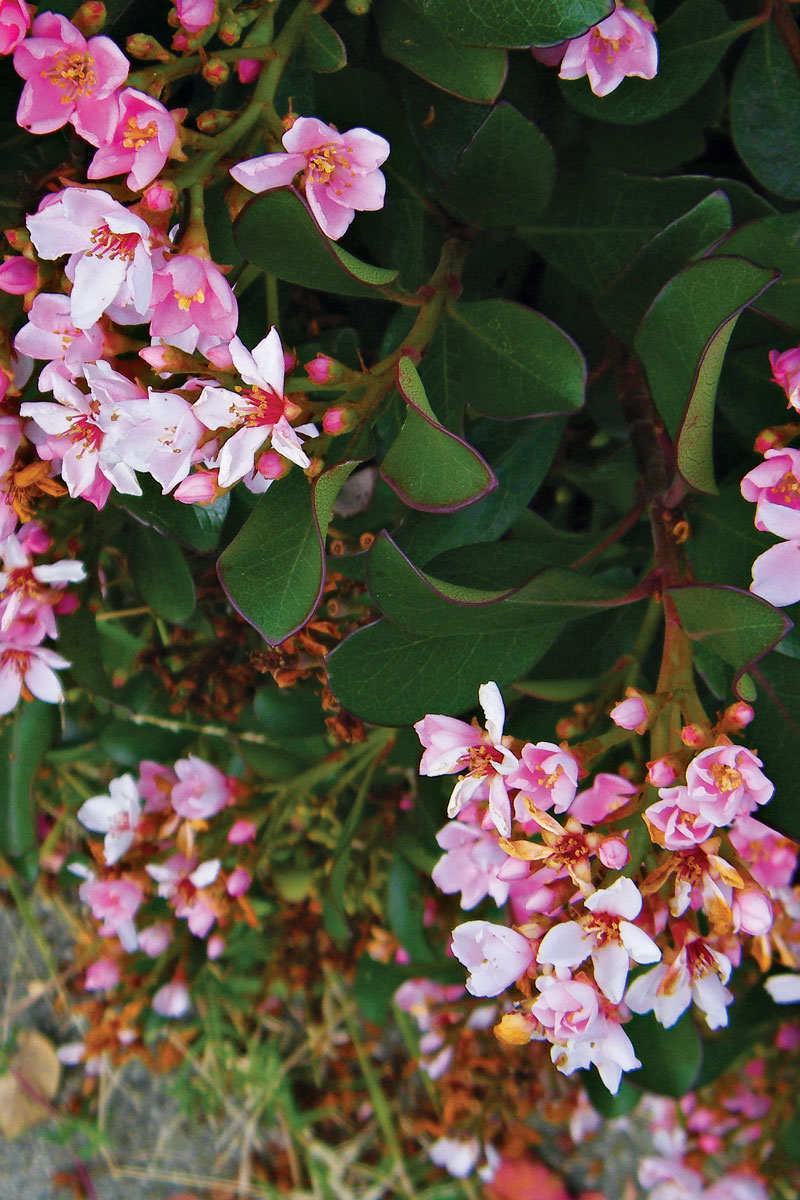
(405, 909)
(773, 242)
(775, 732)
(691, 43)
(682, 342)
(765, 111)
(374, 987)
(670, 1058)
(736, 625)
(724, 542)
(514, 22)
(79, 641)
(276, 231)
(467, 71)
(427, 466)
(161, 575)
(597, 220)
(505, 175)
(194, 525)
(26, 733)
(325, 51)
(509, 361)
(623, 302)
(274, 569)
(288, 712)
(608, 1105)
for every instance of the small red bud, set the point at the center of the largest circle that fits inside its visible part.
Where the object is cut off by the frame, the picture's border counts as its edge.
(90, 17)
(215, 71)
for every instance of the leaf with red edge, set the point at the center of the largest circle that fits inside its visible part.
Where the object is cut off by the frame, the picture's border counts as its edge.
(735, 625)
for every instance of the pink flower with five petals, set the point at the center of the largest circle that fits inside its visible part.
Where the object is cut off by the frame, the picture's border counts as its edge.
(621, 45)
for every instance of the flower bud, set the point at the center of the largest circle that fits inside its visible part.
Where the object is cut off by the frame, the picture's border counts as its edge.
(322, 369)
(271, 465)
(18, 275)
(198, 488)
(215, 71)
(19, 239)
(337, 420)
(230, 27)
(160, 196)
(736, 716)
(248, 69)
(90, 17)
(142, 45)
(613, 853)
(167, 359)
(662, 772)
(631, 713)
(242, 831)
(775, 437)
(215, 946)
(358, 8)
(694, 736)
(239, 881)
(515, 1029)
(214, 120)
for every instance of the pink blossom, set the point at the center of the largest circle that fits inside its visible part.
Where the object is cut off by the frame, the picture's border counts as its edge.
(566, 1008)
(117, 815)
(786, 373)
(201, 791)
(672, 825)
(31, 666)
(630, 714)
(242, 831)
(29, 594)
(102, 974)
(623, 44)
(547, 775)
(51, 334)
(15, 21)
(698, 972)
(725, 782)
(195, 15)
(139, 143)
(772, 858)
(608, 935)
(215, 946)
(190, 296)
(18, 275)
(154, 939)
(339, 171)
(470, 864)
(114, 903)
(239, 881)
(172, 1000)
(607, 793)
(163, 442)
(774, 487)
(155, 785)
(202, 487)
(752, 912)
(776, 574)
(495, 956)
(68, 78)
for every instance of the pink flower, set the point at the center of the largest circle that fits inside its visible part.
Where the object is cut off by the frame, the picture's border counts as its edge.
(776, 574)
(102, 974)
(495, 955)
(18, 275)
(51, 334)
(672, 825)
(155, 785)
(752, 912)
(725, 782)
(772, 858)
(607, 793)
(786, 373)
(697, 973)
(774, 487)
(470, 865)
(608, 935)
(547, 775)
(195, 15)
(242, 831)
(172, 1000)
(566, 1008)
(239, 881)
(163, 442)
(114, 903)
(140, 142)
(339, 171)
(15, 21)
(201, 791)
(154, 939)
(116, 815)
(68, 78)
(190, 296)
(31, 666)
(623, 44)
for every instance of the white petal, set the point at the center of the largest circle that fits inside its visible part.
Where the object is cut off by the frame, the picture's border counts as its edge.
(492, 704)
(98, 813)
(611, 970)
(641, 948)
(565, 945)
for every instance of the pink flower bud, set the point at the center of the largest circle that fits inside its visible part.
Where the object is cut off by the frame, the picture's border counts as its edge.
(160, 196)
(738, 715)
(551, 56)
(613, 853)
(172, 1000)
(239, 881)
(242, 831)
(101, 975)
(630, 714)
(336, 420)
(662, 772)
(198, 488)
(215, 946)
(787, 1038)
(694, 736)
(752, 912)
(271, 465)
(66, 605)
(248, 69)
(321, 369)
(18, 276)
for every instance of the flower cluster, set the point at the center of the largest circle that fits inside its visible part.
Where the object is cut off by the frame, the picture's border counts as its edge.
(714, 880)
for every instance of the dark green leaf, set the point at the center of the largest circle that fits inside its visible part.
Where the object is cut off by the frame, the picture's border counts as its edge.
(505, 175)
(773, 242)
(430, 468)
(25, 735)
(288, 712)
(324, 48)
(608, 1105)
(670, 1058)
(194, 525)
(765, 111)
(736, 625)
(276, 231)
(514, 22)
(374, 987)
(467, 71)
(624, 301)
(273, 570)
(161, 575)
(724, 542)
(690, 44)
(682, 342)
(79, 641)
(509, 361)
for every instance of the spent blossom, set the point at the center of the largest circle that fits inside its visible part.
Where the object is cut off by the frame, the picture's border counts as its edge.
(338, 171)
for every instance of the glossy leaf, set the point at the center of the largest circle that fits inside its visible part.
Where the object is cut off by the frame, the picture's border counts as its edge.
(734, 624)
(725, 542)
(195, 525)
(24, 737)
(161, 575)
(505, 175)
(691, 43)
(325, 51)
(765, 112)
(276, 231)
(626, 298)
(773, 242)
(671, 1058)
(509, 361)
(274, 569)
(514, 22)
(409, 38)
(682, 342)
(430, 468)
